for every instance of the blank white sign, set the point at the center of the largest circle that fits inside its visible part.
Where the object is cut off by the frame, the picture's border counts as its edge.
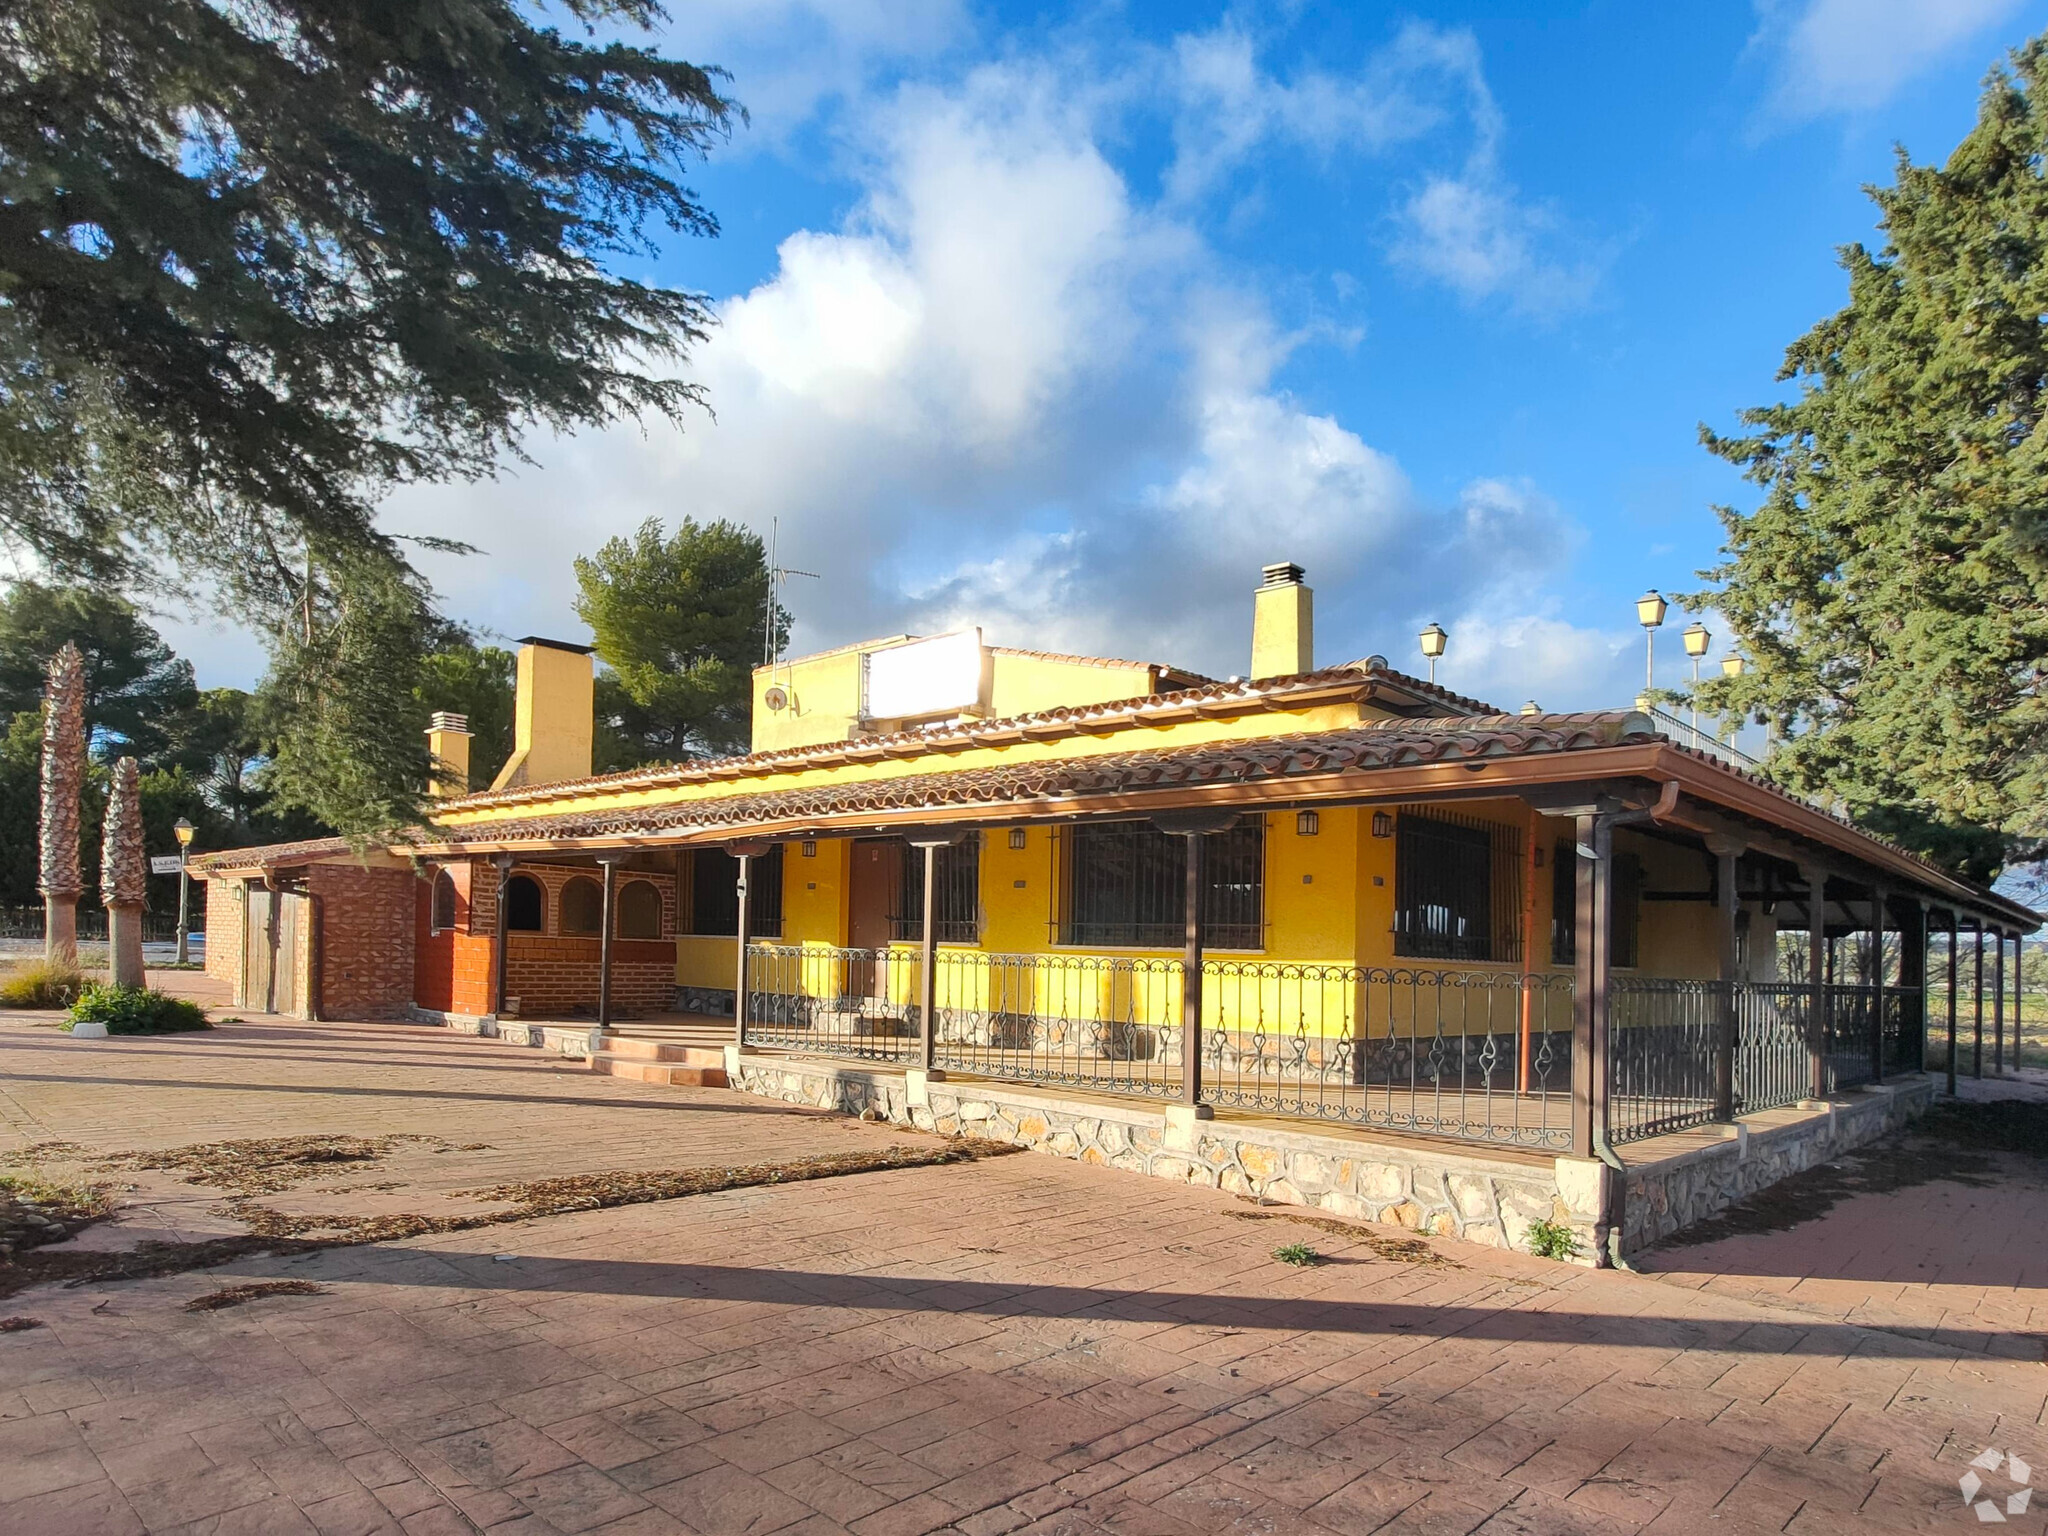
(924, 677)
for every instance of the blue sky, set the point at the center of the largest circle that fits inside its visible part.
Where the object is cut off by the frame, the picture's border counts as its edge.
(1062, 320)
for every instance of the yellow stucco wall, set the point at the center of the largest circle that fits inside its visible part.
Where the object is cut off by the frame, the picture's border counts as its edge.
(553, 718)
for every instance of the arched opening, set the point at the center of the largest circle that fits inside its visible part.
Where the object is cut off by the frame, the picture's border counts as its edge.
(639, 910)
(525, 907)
(582, 906)
(444, 902)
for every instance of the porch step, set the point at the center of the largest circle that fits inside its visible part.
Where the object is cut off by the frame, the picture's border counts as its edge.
(707, 1072)
(680, 1053)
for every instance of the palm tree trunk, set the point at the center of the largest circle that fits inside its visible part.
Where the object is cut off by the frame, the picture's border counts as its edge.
(63, 779)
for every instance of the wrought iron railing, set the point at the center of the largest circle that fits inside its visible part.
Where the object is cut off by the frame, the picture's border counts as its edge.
(1477, 1055)
(1482, 1056)
(861, 1003)
(158, 927)
(1098, 1021)
(1773, 1046)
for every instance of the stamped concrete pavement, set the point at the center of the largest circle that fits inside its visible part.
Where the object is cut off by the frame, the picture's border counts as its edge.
(1022, 1344)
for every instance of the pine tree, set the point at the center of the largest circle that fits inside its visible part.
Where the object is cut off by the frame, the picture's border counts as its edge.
(63, 781)
(124, 875)
(678, 624)
(1891, 590)
(265, 260)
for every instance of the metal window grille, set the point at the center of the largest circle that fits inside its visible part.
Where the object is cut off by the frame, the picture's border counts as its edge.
(1564, 906)
(715, 897)
(1125, 883)
(1455, 891)
(956, 903)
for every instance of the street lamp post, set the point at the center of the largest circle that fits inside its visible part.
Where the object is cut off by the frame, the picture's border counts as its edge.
(1434, 639)
(1650, 614)
(184, 829)
(1697, 639)
(1731, 666)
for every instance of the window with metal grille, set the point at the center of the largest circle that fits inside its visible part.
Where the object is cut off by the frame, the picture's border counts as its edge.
(1455, 888)
(1625, 921)
(956, 903)
(1125, 883)
(715, 899)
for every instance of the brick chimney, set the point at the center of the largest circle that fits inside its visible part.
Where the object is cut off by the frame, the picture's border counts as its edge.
(448, 745)
(553, 716)
(1283, 623)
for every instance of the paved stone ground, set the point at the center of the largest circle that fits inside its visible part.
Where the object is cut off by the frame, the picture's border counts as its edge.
(1023, 1344)
(1961, 1262)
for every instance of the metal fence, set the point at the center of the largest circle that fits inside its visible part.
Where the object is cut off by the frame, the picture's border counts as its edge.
(1480, 1056)
(861, 1003)
(1099, 1021)
(26, 923)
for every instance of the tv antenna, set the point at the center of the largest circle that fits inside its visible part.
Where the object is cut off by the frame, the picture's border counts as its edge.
(771, 638)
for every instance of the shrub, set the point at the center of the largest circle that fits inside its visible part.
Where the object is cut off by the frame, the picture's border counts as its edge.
(39, 984)
(136, 1011)
(1552, 1240)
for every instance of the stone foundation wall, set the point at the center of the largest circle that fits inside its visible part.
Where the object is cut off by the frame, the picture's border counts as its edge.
(708, 1000)
(572, 1040)
(1453, 1192)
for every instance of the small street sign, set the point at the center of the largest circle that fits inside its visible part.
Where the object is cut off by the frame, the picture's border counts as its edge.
(165, 864)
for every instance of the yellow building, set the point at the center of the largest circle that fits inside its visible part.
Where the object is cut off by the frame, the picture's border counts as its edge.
(1335, 893)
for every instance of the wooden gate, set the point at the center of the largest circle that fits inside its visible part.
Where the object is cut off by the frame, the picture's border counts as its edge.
(271, 942)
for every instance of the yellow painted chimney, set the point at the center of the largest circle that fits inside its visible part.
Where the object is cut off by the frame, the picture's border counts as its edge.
(448, 746)
(1283, 624)
(553, 715)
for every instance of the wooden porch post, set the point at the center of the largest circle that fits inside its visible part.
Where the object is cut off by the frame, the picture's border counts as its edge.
(928, 960)
(502, 862)
(1726, 853)
(1592, 967)
(743, 933)
(1977, 1044)
(1879, 899)
(1816, 966)
(1913, 981)
(1955, 943)
(1998, 1009)
(609, 863)
(1191, 977)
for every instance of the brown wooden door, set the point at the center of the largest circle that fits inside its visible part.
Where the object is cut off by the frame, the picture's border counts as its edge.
(291, 930)
(259, 949)
(871, 903)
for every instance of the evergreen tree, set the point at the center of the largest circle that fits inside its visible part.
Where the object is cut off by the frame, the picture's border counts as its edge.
(341, 700)
(478, 681)
(263, 261)
(1891, 589)
(138, 694)
(678, 623)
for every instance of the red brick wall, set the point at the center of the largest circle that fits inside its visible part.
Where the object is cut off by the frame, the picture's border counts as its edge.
(557, 977)
(366, 939)
(551, 974)
(224, 931)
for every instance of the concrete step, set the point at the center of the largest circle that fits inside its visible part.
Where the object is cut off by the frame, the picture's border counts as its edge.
(670, 1074)
(680, 1053)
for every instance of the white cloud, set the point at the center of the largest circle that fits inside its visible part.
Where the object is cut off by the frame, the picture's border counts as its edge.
(788, 58)
(1852, 55)
(1005, 391)
(1473, 234)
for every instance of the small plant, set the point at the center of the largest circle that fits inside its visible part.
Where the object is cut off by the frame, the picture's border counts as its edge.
(136, 1011)
(39, 984)
(1552, 1240)
(1300, 1255)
